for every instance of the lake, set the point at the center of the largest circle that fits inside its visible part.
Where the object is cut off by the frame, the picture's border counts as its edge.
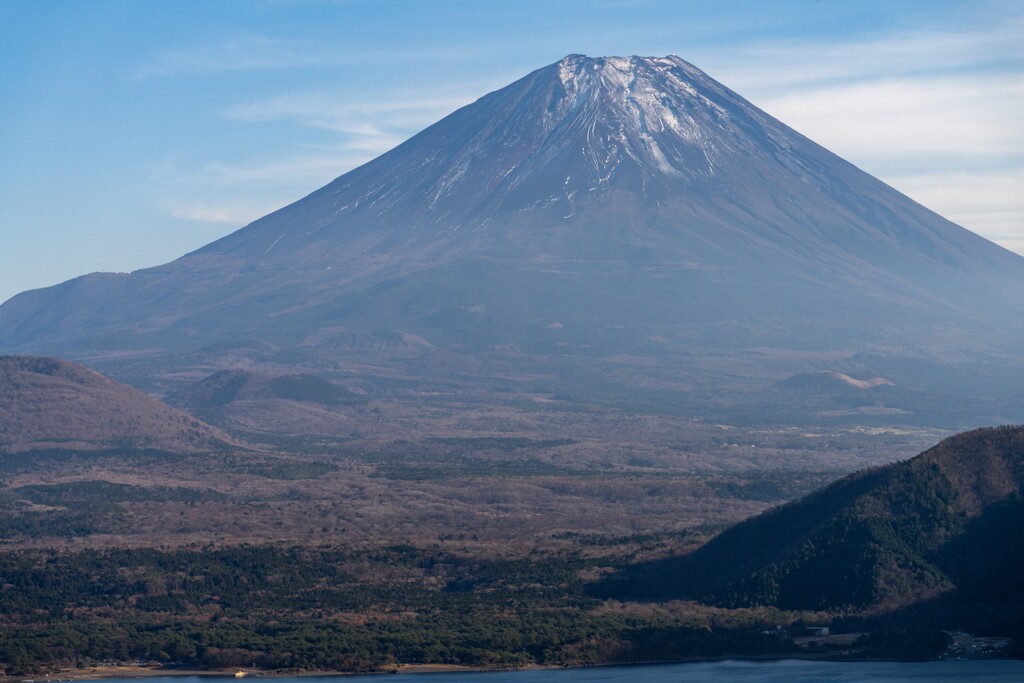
(778, 671)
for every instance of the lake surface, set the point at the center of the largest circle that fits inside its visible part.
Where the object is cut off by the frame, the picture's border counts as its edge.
(781, 671)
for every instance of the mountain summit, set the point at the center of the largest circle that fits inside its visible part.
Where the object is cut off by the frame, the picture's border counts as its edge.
(594, 155)
(594, 208)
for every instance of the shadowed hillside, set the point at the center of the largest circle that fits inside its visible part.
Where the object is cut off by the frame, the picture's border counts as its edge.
(941, 524)
(211, 395)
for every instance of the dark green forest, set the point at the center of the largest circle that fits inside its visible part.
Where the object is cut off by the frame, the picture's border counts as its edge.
(336, 609)
(891, 557)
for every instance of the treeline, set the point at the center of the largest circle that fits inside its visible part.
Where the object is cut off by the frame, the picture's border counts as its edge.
(236, 581)
(332, 609)
(500, 639)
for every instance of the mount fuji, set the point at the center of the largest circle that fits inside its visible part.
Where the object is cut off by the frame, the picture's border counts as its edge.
(603, 229)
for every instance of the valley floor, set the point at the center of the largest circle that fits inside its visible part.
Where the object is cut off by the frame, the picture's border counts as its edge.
(451, 551)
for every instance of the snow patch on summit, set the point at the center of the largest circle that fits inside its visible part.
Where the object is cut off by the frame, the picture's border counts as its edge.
(654, 104)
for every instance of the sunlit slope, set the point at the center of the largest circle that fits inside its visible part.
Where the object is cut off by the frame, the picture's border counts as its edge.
(594, 208)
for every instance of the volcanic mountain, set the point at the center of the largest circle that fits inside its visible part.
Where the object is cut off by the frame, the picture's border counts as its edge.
(595, 210)
(48, 403)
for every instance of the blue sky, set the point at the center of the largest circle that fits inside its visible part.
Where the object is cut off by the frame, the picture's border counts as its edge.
(133, 132)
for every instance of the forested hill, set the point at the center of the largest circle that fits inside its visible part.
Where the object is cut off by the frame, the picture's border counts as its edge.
(943, 525)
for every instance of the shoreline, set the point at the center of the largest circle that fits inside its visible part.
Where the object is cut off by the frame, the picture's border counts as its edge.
(130, 672)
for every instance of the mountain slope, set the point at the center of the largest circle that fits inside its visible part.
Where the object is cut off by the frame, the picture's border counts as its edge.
(226, 386)
(595, 207)
(49, 403)
(943, 521)
(251, 400)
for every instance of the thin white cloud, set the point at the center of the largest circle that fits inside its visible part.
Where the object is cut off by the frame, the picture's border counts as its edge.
(894, 119)
(238, 193)
(934, 113)
(963, 190)
(227, 213)
(340, 113)
(263, 53)
(765, 68)
(366, 128)
(299, 169)
(989, 203)
(240, 54)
